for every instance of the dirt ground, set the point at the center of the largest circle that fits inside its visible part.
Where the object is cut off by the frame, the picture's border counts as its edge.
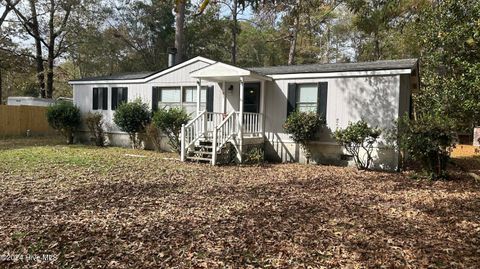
(85, 207)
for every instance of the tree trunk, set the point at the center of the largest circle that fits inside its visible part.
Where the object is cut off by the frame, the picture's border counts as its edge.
(377, 46)
(51, 50)
(1, 84)
(179, 29)
(293, 40)
(35, 32)
(234, 31)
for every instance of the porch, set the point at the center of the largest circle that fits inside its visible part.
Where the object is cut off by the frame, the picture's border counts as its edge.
(213, 134)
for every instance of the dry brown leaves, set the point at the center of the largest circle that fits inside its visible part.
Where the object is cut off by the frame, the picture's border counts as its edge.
(124, 212)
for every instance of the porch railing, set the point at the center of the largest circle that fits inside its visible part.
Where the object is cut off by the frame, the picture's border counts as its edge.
(219, 128)
(223, 133)
(191, 132)
(252, 123)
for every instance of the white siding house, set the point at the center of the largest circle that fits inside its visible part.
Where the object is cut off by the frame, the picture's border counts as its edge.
(377, 92)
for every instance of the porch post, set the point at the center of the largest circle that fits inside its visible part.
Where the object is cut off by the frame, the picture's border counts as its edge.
(262, 106)
(240, 120)
(224, 102)
(199, 89)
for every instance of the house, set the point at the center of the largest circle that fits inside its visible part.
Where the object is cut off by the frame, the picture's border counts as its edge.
(235, 109)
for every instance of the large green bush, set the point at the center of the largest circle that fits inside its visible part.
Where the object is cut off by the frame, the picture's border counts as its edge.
(302, 128)
(429, 139)
(132, 118)
(170, 121)
(64, 117)
(358, 139)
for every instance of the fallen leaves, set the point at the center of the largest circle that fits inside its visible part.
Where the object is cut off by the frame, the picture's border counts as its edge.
(96, 208)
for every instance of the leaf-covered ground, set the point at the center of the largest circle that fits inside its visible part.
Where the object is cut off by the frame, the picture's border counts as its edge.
(110, 208)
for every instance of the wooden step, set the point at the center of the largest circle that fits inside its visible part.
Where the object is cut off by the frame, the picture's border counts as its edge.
(202, 152)
(193, 158)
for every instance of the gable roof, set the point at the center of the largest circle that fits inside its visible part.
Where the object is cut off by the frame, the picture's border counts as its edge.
(337, 67)
(120, 76)
(138, 77)
(225, 72)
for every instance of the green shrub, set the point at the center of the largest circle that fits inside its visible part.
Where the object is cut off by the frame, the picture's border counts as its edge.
(170, 122)
(302, 128)
(64, 117)
(94, 123)
(132, 118)
(254, 156)
(429, 139)
(358, 139)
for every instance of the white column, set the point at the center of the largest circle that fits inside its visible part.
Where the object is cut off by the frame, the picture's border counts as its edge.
(199, 89)
(224, 102)
(262, 106)
(240, 120)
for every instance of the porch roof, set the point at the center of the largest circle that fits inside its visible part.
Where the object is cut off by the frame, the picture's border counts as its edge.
(219, 72)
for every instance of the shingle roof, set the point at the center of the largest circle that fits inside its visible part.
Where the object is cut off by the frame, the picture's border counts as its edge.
(336, 67)
(121, 76)
(285, 69)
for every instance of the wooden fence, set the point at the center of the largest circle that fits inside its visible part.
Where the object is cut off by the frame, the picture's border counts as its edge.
(16, 120)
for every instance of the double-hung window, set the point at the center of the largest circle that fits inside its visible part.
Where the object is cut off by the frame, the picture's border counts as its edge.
(190, 99)
(166, 97)
(308, 97)
(100, 98)
(119, 95)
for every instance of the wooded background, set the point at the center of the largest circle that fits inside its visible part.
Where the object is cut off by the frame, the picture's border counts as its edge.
(44, 43)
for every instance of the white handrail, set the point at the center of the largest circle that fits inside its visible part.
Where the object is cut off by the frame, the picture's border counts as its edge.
(191, 132)
(222, 133)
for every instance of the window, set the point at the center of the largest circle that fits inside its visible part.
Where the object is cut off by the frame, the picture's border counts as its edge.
(307, 95)
(119, 95)
(100, 99)
(166, 97)
(190, 95)
(170, 95)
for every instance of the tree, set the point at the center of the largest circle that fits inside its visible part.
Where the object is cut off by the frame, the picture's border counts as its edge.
(429, 139)
(449, 33)
(358, 139)
(302, 127)
(169, 122)
(132, 118)
(179, 28)
(64, 117)
(32, 27)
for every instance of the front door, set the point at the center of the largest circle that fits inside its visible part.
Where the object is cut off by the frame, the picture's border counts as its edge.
(251, 98)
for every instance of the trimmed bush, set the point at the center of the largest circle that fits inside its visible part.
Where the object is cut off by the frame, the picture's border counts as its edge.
(94, 123)
(169, 122)
(302, 128)
(358, 139)
(132, 118)
(429, 139)
(64, 117)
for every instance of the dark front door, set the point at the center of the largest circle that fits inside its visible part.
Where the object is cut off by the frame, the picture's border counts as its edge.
(251, 98)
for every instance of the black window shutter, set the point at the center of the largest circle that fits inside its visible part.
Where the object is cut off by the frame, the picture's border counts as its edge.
(322, 100)
(95, 99)
(154, 98)
(209, 99)
(292, 98)
(104, 99)
(124, 95)
(114, 98)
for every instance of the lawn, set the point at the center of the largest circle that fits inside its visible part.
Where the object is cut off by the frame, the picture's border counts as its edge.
(120, 208)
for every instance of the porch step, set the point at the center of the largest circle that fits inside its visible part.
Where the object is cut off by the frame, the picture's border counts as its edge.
(202, 152)
(193, 158)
